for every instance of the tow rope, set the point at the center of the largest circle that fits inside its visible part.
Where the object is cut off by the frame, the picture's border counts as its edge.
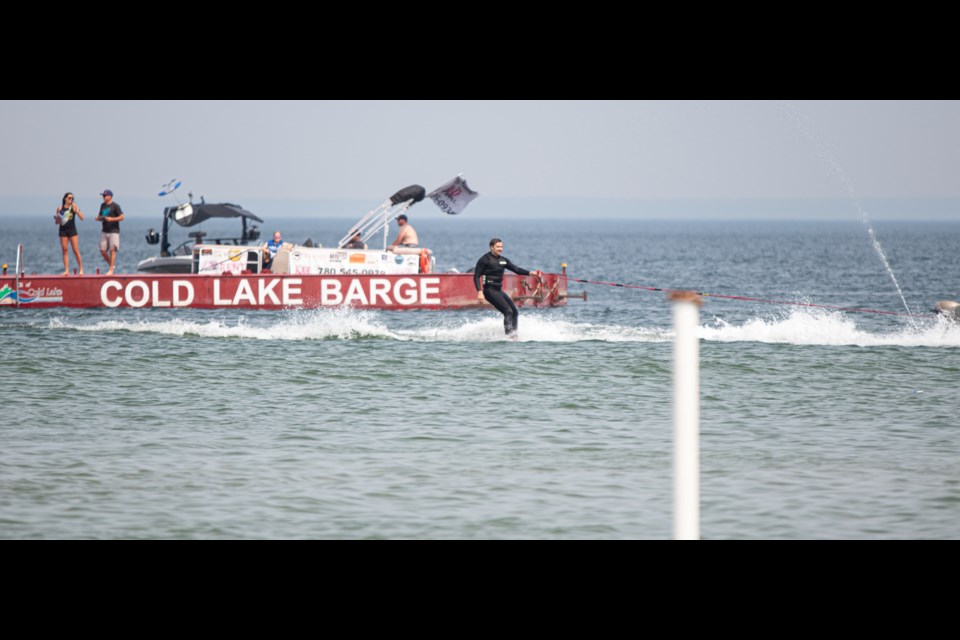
(749, 299)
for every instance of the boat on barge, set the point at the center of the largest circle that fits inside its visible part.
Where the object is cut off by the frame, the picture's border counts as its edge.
(233, 276)
(179, 258)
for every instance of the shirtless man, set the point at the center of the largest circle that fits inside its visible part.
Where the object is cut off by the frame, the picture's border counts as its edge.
(407, 236)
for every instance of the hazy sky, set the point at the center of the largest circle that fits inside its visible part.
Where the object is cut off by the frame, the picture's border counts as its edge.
(366, 150)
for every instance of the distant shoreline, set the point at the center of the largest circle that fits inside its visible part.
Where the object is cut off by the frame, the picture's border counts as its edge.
(552, 208)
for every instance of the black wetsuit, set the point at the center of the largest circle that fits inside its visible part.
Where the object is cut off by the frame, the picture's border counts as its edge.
(489, 270)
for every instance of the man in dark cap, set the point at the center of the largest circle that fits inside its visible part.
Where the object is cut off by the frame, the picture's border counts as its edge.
(110, 216)
(407, 236)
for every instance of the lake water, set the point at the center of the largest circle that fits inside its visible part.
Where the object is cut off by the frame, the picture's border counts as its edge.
(815, 423)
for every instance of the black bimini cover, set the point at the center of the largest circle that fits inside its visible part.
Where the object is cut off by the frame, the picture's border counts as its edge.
(187, 215)
(414, 192)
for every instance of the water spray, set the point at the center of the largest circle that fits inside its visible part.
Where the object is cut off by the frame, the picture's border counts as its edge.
(830, 159)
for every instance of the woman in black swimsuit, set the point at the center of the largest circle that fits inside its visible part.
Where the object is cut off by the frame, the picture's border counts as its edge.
(67, 214)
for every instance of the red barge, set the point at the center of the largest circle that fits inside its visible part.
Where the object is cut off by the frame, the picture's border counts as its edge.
(271, 291)
(224, 275)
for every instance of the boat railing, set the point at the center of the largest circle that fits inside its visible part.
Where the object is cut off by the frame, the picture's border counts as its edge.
(546, 291)
(377, 220)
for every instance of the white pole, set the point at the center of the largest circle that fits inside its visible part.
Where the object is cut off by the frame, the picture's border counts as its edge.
(686, 416)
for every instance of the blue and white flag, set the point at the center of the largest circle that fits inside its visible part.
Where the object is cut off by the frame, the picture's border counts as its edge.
(454, 196)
